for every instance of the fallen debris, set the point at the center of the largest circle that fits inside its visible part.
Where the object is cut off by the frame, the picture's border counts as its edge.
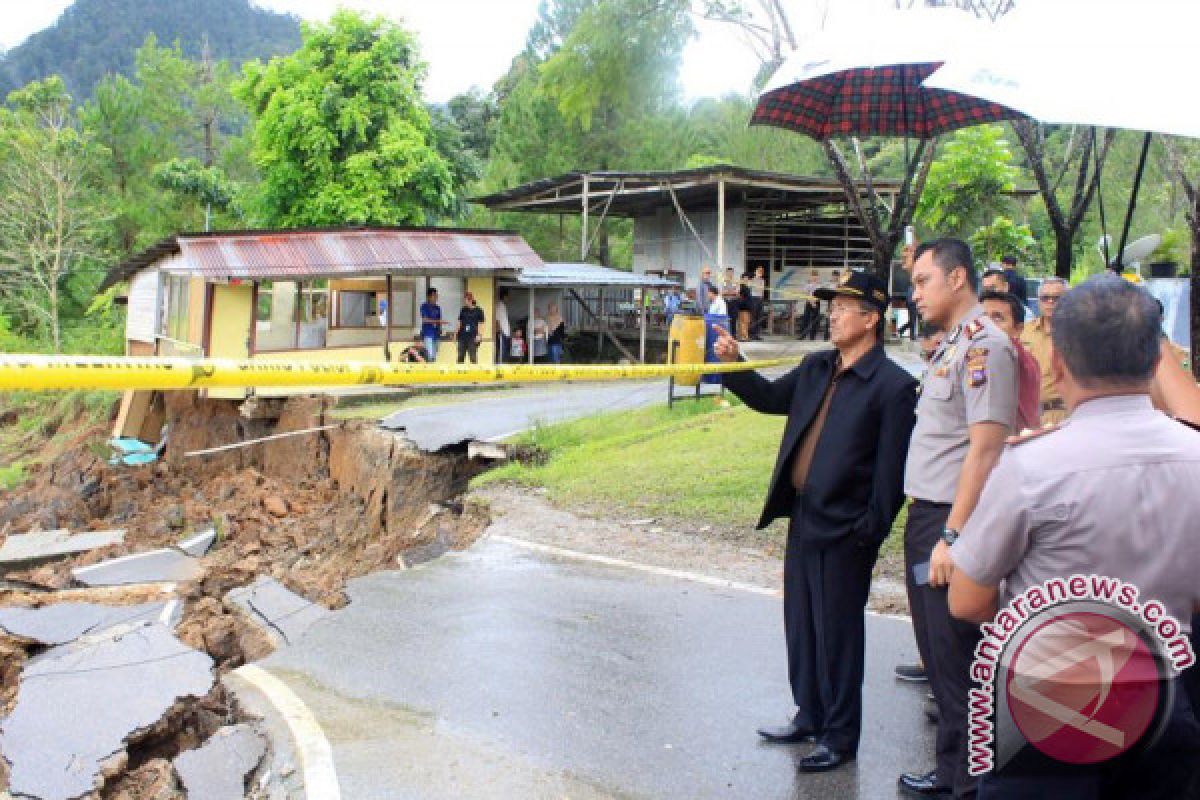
(65, 622)
(157, 566)
(285, 615)
(199, 545)
(26, 550)
(122, 682)
(217, 770)
(272, 438)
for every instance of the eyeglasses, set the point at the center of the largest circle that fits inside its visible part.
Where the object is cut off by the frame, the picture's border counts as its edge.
(838, 311)
(1049, 298)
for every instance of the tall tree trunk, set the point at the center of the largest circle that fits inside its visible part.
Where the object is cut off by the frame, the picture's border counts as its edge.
(55, 328)
(1064, 251)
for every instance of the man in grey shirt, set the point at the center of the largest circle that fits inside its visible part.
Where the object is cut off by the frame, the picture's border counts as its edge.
(968, 406)
(1112, 492)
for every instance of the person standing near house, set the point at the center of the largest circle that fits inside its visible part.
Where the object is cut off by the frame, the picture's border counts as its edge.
(758, 296)
(503, 327)
(557, 333)
(704, 289)
(470, 329)
(839, 479)
(1036, 338)
(431, 323)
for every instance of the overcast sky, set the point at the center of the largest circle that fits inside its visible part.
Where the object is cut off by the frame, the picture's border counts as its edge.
(465, 42)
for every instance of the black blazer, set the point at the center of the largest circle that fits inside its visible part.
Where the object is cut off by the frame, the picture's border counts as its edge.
(856, 482)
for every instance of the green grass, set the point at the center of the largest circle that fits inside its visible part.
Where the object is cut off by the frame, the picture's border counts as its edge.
(12, 476)
(695, 462)
(43, 422)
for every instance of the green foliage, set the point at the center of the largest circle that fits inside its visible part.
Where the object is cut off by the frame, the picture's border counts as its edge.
(190, 178)
(1003, 237)
(967, 181)
(341, 134)
(95, 38)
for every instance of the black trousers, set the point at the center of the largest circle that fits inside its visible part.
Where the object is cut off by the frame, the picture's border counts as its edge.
(1168, 770)
(947, 647)
(468, 347)
(825, 589)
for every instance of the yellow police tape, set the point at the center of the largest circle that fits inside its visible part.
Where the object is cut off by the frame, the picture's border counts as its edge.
(31, 372)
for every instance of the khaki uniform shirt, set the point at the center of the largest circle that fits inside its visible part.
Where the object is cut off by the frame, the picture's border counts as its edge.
(1036, 339)
(1111, 492)
(972, 378)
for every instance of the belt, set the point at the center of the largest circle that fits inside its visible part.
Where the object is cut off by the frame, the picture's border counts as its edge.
(1054, 405)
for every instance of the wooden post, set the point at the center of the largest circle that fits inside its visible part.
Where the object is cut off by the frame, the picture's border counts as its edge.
(583, 232)
(387, 320)
(529, 326)
(720, 225)
(642, 324)
(603, 323)
(296, 307)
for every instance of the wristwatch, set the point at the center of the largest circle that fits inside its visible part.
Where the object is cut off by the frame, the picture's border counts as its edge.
(949, 536)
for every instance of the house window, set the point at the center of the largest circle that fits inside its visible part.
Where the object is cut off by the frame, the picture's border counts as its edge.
(314, 302)
(357, 309)
(173, 322)
(265, 304)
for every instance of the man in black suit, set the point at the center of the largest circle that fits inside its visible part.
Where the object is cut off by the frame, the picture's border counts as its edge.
(839, 477)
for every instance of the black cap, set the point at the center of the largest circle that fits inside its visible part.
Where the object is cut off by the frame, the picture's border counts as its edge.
(861, 285)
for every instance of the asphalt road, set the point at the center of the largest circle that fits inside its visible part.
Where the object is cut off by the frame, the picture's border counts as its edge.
(488, 417)
(491, 416)
(506, 673)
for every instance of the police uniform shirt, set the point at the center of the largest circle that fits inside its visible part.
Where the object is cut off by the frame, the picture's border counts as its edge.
(972, 378)
(1112, 491)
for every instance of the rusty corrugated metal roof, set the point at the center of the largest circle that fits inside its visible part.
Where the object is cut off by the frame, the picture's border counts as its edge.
(295, 255)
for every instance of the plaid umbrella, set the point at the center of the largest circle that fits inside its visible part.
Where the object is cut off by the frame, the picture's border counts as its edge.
(864, 77)
(878, 101)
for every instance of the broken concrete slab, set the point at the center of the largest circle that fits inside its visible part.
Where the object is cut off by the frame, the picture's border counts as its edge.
(65, 622)
(217, 769)
(284, 614)
(30, 549)
(199, 545)
(167, 565)
(79, 703)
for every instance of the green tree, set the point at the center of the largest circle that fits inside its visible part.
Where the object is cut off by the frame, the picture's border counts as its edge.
(968, 181)
(340, 132)
(48, 220)
(1003, 237)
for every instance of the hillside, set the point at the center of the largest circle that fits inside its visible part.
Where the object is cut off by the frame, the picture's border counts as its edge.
(96, 37)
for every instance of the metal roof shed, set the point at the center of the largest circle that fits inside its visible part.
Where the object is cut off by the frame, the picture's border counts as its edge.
(567, 276)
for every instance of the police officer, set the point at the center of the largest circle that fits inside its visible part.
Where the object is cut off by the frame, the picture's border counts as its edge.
(1110, 492)
(839, 478)
(967, 408)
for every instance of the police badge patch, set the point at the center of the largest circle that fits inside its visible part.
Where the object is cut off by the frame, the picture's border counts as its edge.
(977, 366)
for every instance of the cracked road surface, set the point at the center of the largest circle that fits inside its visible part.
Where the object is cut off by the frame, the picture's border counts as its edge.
(505, 672)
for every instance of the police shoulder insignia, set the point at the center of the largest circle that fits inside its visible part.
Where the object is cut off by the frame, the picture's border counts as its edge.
(1031, 434)
(977, 366)
(973, 328)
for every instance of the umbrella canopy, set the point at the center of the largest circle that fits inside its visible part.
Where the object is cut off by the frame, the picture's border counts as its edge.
(1080, 62)
(865, 77)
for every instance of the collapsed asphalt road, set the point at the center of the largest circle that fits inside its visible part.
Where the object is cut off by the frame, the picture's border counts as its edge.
(507, 672)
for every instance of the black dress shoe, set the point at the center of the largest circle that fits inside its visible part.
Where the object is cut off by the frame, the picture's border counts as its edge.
(823, 758)
(787, 734)
(923, 784)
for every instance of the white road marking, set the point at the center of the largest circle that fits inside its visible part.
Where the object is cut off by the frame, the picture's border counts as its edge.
(312, 748)
(696, 577)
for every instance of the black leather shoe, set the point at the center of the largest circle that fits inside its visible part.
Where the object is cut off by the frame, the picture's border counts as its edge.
(923, 784)
(822, 759)
(787, 734)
